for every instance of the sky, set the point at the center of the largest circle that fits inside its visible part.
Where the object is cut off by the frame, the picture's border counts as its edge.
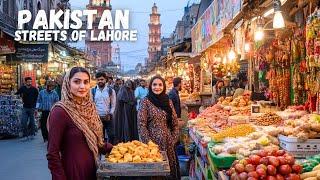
(171, 11)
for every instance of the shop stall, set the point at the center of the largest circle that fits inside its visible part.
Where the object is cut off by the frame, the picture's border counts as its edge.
(8, 78)
(181, 63)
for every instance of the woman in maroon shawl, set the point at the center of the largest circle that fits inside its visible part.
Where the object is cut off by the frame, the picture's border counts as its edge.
(75, 131)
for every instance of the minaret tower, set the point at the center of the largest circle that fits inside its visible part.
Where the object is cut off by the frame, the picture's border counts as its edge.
(154, 44)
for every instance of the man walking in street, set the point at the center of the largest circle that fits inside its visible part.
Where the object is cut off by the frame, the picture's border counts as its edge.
(29, 96)
(117, 85)
(58, 88)
(110, 82)
(174, 95)
(105, 99)
(141, 92)
(47, 98)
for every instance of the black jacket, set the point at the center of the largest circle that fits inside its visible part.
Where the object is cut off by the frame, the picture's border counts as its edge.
(174, 96)
(29, 96)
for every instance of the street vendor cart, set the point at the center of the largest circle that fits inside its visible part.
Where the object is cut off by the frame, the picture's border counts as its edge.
(108, 169)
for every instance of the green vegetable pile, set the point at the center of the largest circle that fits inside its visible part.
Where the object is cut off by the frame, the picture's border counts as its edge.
(310, 163)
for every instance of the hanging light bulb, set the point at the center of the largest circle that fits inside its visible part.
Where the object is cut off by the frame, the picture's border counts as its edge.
(231, 55)
(38, 72)
(247, 47)
(278, 21)
(225, 61)
(259, 34)
(30, 67)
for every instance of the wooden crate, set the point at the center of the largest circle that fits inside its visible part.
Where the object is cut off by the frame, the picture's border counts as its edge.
(106, 169)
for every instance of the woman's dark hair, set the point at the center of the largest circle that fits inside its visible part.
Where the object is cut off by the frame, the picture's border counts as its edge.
(235, 83)
(101, 74)
(75, 70)
(163, 81)
(214, 81)
(131, 84)
(219, 81)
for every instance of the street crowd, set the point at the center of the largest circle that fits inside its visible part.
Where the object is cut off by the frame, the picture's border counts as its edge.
(81, 122)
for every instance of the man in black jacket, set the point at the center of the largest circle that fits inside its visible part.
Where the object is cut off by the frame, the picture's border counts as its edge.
(29, 96)
(174, 95)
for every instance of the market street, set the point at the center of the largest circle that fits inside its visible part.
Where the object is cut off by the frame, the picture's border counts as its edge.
(23, 160)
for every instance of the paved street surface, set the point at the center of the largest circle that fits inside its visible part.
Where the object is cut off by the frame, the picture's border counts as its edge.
(24, 160)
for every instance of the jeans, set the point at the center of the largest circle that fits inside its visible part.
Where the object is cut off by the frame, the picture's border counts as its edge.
(28, 122)
(43, 124)
(108, 132)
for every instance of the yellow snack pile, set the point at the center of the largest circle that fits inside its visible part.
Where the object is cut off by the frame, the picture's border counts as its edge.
(234, 131)
(135, 152)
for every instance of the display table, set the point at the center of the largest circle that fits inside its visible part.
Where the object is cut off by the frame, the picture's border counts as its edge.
(202, 166)
(10, 115)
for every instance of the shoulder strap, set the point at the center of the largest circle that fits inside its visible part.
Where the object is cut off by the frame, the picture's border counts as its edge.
(110, 94)
(110, 91)
(93, 91)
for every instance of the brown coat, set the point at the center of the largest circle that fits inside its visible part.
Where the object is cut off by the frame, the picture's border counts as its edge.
(152, 125)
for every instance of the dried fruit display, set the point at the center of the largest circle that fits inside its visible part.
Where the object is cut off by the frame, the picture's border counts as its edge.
(267, 119)
(240, 101)
(307, 127)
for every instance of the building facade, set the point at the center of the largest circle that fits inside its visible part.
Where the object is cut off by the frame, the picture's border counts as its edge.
(165, 44)
(103, 49)
(154, 44)
(183, 27)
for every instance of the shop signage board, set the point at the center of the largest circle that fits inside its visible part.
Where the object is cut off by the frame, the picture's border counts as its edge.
(6, 44)
(35, 53)
(209, 28)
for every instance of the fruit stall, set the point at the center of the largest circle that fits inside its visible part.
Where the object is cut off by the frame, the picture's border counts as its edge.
(238, 138)
(227, 134)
